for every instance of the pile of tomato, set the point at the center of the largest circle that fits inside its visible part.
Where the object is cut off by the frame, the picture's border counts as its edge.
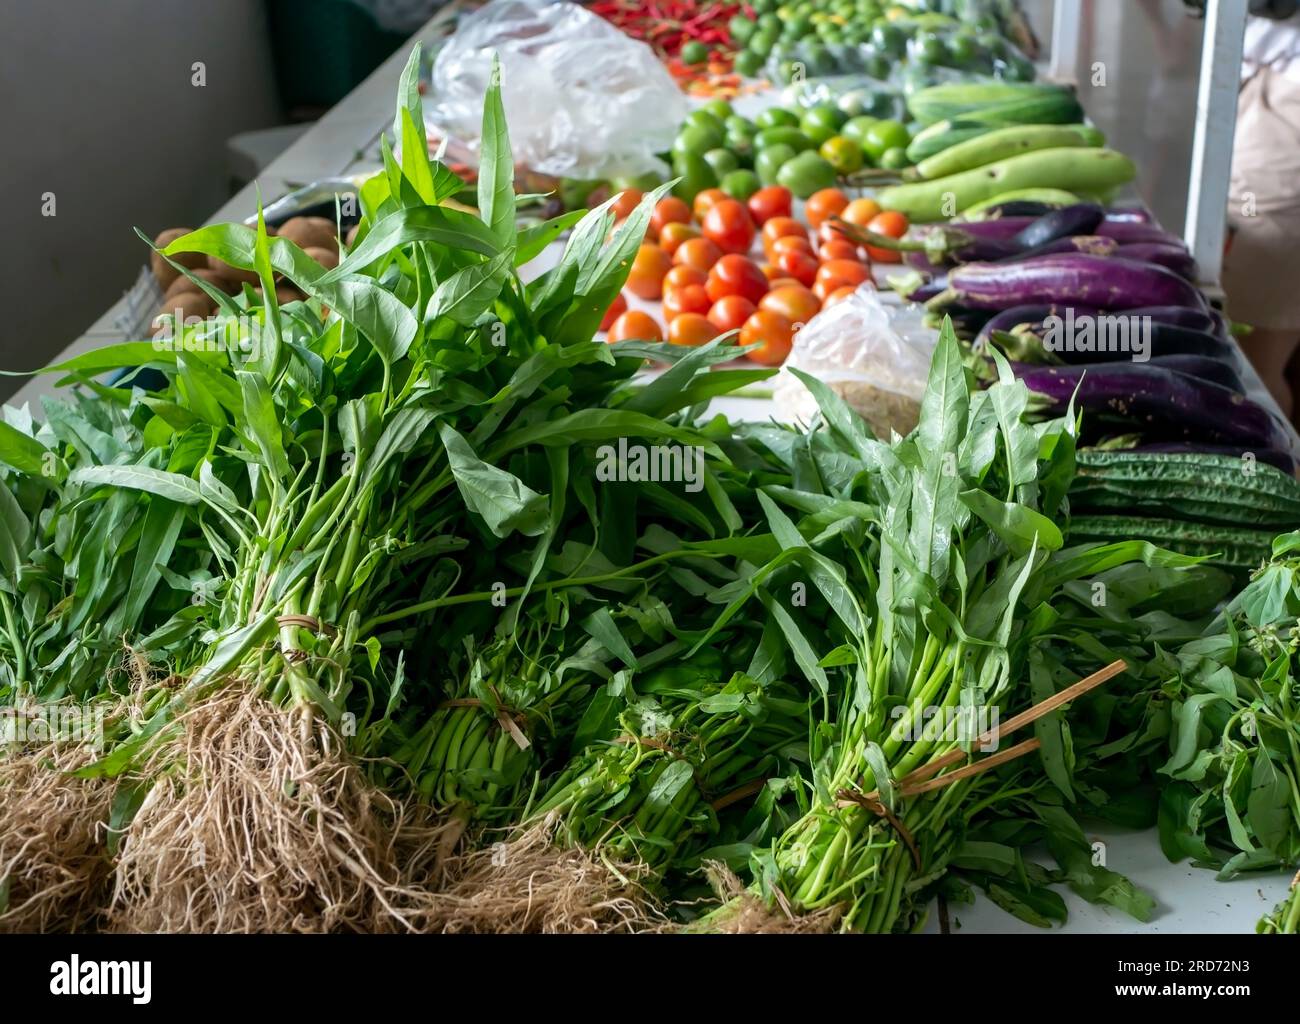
(700, 261)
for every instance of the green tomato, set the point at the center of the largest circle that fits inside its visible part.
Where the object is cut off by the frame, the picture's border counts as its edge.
(742, 145)
(842, 153)
(768, 163)
(856, 128)
(695, 52)
(821, 122)
(707, 118)
(741, 28)
(807, 173)
(777, 117)
(695, 176)
(761, 43)
(769, 23)
(884, 135)
(740, 184)
(895, 159)
(737, 125)
(720, 109)
(791, 137)
(722, 160)
(748, 63)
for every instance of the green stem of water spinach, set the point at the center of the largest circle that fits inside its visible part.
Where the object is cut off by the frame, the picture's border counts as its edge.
(15, 641)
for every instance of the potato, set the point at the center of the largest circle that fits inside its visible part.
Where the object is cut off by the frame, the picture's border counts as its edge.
(183, 304)
(327, 258)
(287, 293)
(163, 272)
(232, 273)
(310, 231)
(184, 284)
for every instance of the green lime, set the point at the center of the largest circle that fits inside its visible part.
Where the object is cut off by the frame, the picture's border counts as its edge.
(805, 174)
(843, 154)
(895, 159)
(695, 52)
(776, 117)
(748, 63)
(720, 109)
(737, 125)
(821, 122)
(791, 137)
(707, 118)
(761, 43)
(741, 145)
(723, 161)
(884, 135)
(695, 175)
(697, 138)
(769, 23)
(740, 184)
(741, 28)
(855, 128)
(768, 163)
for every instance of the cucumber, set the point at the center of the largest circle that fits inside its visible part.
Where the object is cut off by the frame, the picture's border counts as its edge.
(1239, 548)
(999, 144)
(955, 99)
(1061, 109)
(1066, 168)
(1047, 196)
(943, 135)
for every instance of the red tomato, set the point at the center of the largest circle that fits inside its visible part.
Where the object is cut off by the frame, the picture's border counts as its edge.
(635, 324)
(799, 265)
(690, 329)
(828, 232)
(838, 295)
(791, 243)
(894, 225)
(616, 309)
(626, 202)
(784, 282)
(682, 275)
(778, 227)
(836, 249)
(736, 275)
(704, 200)
(675, 234)
(669, 210)
(771, 201)
(836, 274)
(699, 253)
(773, 332)
(770, 272)
(646, 279)
(730, 312)
(727, 223)
(829, 202)
(691, 298)
(797, 304)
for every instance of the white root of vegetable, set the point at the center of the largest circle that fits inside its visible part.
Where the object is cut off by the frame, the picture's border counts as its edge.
(527, 884)
(54, 867)
(259, 821)
(743, 912)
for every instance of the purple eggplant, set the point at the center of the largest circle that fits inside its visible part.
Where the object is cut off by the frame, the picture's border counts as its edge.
(1162, 404)
(1216, 371)
(1171, 257)
(1210, 321)
(1010, 319)
(1279, 457)
(1094, 245)
(1130, 214)
(1107, 282)
(1016, 208)
(1079, 219)
(1134, 233)
(1115, 336)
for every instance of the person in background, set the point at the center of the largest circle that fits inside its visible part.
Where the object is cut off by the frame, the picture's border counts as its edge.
(1261, 273)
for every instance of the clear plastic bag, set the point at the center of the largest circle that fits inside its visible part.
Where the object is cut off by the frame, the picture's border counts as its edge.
(583, 100)
(872, 352)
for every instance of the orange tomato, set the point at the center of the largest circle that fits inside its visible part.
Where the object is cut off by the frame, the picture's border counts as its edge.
(616, 309)
(772, 332)
(669, 210)
(635, 324)
(727, 223)
(797, 304)
(838, 249)
(626, 202)
(682, 275)
(792, 243)
(827, 202)
(768, 202)
(674, 234)
(860, 212)
(646, 279)
(784, 282)
(770, 272)
(730, 312)
(838, 295)
(835, 274)
(894, 225)
(704, 201)
(799, 265)
(831, 232)
(736, 275)
(779, 227)
(690, 329)
(691, 298)
(699, 253)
